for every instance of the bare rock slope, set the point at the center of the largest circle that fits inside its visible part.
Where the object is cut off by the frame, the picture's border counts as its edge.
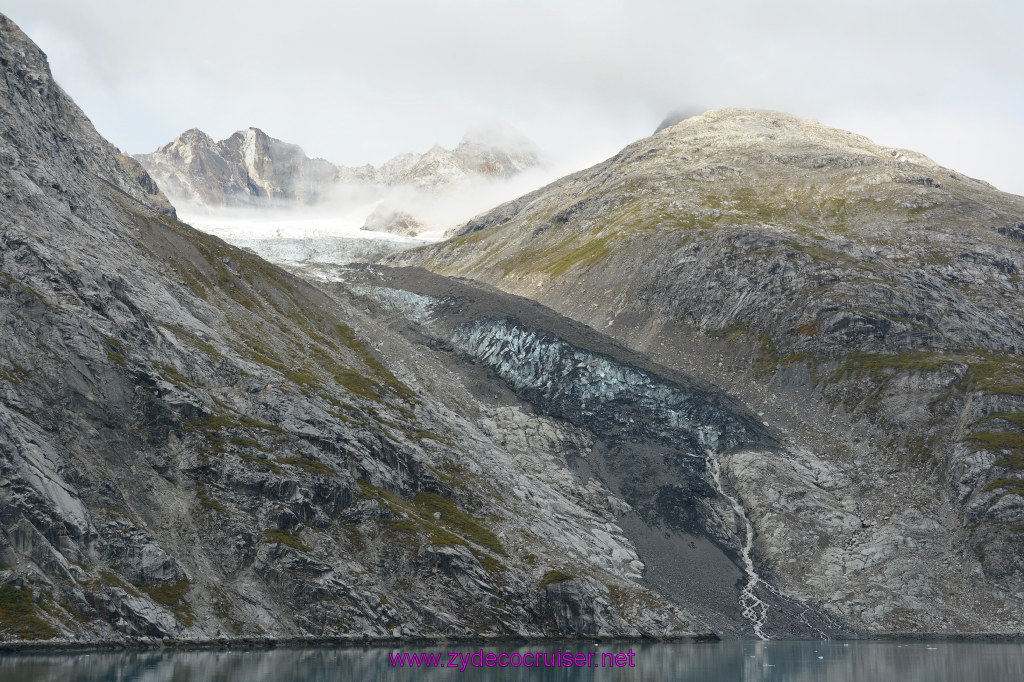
(196, 445)
(865, 302)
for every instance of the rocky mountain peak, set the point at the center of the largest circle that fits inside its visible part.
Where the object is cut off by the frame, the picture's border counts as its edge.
(499, 151)
(766, 130)
(255, 144)
(675, 116)
(248, 168)
(193, 138)
(858, 294)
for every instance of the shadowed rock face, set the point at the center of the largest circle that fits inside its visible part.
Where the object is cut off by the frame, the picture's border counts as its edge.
(863, 301)
(195, 444)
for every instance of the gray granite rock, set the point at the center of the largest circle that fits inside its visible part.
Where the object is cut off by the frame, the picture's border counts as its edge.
(863, 301)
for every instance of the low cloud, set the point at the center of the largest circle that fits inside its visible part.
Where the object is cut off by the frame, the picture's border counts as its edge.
(359, 82)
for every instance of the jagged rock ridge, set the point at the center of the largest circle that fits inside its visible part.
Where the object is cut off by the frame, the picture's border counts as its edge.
(252, 169)
(247, 168)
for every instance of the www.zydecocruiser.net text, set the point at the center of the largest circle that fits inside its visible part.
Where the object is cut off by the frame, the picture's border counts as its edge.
(490, 659)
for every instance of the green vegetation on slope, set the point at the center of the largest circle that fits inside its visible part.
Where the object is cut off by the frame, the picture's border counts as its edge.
(319, 348)
(554, 576)
(172, 596)
(416, 517)
(19, 615)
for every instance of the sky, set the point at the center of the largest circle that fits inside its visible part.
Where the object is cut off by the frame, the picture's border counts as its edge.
(359, 82)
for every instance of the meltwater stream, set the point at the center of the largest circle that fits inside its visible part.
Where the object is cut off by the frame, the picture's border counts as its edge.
(752, 607)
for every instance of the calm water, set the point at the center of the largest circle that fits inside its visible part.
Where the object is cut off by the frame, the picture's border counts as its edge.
(703, 662)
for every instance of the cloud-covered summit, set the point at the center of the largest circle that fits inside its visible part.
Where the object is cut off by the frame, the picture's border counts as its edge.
(360, 81)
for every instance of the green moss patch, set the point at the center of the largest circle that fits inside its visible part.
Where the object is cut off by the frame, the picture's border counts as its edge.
(554, 576)
(1015, 418)
(284, 537)
(454, 527)
(877, 363)
(996, 374)
(458, 521)
(358, 383)
(267, 464)
(421, 435)
(404, 531)
(559, 256)
(307, 465)
(584, 255)
(302, 377)
(207, 501)
(111, 579)
(174, 376)
(192, 340)
(977, 371)
(217, 429)
(1014, 486)
(172, 596)
(19, 615)
(347, 336)
(730, 332)
(1010, 444)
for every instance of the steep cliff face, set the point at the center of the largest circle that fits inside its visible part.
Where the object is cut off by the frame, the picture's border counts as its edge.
(862, 300)
(197, 445)
(250, 168)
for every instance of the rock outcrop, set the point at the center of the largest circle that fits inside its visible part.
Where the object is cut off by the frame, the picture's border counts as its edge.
(394, 221)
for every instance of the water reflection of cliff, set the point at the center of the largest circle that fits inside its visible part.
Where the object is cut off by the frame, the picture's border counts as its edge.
(697, 662)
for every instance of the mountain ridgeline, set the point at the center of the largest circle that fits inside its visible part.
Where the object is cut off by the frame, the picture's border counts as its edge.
(247, 168)
(251, 168)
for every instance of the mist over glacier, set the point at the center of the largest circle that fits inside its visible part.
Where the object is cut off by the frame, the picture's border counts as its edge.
(335, 229)
(252, 187)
